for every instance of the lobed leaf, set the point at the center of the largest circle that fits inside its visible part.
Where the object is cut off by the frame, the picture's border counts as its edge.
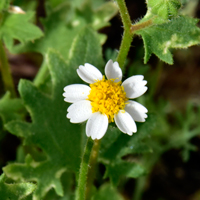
(19, 27)
(59, 33)
(164, 8)
(98, 18)
(14, 191)
(57, 36)
(107, 192)
(59, 139)
(10, 109)
(123, 169)
(116, 146)
(180, 32)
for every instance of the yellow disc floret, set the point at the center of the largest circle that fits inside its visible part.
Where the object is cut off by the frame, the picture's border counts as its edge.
(107, 97)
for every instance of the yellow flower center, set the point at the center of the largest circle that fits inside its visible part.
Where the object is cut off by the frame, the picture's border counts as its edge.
(107, 97)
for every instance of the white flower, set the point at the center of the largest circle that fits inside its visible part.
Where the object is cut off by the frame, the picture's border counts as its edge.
(105, 100)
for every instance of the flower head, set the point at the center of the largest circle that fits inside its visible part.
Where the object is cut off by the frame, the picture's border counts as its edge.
(105, 100)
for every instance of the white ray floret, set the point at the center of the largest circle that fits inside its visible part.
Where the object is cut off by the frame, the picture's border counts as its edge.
(136, 110)
(135, 86)
(79, 111)
(76, 92)
(97, 125)
(113, 71)
(125, 122)
(89, 73)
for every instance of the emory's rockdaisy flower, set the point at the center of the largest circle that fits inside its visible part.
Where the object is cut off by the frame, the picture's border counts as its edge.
(105, 100)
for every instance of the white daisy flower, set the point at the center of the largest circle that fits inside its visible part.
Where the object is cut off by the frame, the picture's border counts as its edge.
(105, 100)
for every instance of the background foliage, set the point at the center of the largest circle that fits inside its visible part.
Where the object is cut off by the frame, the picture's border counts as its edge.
(43, 149)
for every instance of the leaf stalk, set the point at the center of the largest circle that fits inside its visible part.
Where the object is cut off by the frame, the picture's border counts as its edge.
(139, 26)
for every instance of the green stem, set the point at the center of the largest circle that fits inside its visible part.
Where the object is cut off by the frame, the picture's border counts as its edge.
(129, 31)
(124, 48)
(81, 189)
(127, 36)
(5, 72)
(92, 164)
(42, 73)
(139, 187)
(124, 14)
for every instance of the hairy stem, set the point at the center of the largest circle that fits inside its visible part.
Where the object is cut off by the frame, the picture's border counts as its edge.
(124, 48)
(127, 35)
(124, 14)
(142, 25)
(82, 180)
(129, 31)
(92, 165)
(5, 72)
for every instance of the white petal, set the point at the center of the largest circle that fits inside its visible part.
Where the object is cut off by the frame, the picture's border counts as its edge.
(79, 111)
(89, 73)
(76, 92)
(97, 125)
(136, 110)
(125, 122)
(113, 71)
(134, 86)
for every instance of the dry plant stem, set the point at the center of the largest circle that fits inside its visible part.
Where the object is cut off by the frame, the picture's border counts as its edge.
(82, 179)
(5, 72)
(92, 168)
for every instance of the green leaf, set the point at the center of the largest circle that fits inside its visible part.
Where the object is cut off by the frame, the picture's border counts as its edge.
(107, 192)
(164, 8)
(124, 169)
(98, 18)
(68, 183)
(187, 127)
(15, 191)
(4, 5)
(17, 26)
(11, 109)
(55, 3)
(59, 33)
(180, 32)
(116, 146)
(59, 139)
